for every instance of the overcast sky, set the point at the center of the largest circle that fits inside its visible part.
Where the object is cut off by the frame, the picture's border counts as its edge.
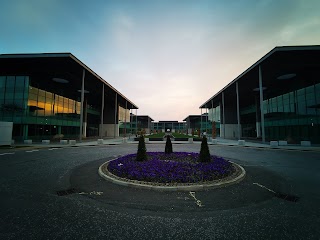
(168, 57)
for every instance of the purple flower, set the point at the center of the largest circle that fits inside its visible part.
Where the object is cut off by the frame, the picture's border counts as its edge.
(181, 167)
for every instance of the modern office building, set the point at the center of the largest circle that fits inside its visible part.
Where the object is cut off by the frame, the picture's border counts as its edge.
(172, 126)
(197, 124)
(140, 123)
(55, 95)
(277, 98)
(145, 124)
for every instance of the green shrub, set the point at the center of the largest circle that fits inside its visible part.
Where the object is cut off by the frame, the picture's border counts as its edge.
(142, 150)
(168, 148)
(204, 151)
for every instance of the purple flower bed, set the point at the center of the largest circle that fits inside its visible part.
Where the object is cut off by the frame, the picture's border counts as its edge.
(177, 167)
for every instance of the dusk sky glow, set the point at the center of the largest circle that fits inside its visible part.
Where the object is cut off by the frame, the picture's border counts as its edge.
(168, 57)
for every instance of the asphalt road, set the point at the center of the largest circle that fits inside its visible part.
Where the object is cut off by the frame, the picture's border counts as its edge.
(30, 207)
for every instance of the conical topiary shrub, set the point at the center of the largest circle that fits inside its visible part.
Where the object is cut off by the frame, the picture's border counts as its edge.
(168, 148)
(204, 151)
(142, 150)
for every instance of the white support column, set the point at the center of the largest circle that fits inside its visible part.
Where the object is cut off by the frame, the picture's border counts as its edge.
(206, 119)
(131, 118)
(81, 110)
(115, 114)
(102, 111)
(223, 116)
(137, 122)
(212, 109)
(238, 110)
(125, 120)
(258, 115)
(212, 121)
(261, 105)
(200, 120)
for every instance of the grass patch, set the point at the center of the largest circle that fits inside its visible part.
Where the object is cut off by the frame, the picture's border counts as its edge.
(180, 135)
(155, 135)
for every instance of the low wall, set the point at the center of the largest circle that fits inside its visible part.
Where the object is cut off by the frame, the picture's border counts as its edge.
(6, 133)
(181, 139)
(155, 139)
(108, 130)
(231, 131)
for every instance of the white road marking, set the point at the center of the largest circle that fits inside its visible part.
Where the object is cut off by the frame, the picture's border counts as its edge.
(91, 193)
(1, 154)
(36, 150)
(198, 202)
(185, 198)
(264, 187)
(53, 149)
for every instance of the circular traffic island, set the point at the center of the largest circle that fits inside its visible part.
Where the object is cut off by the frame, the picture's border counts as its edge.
(175, 171)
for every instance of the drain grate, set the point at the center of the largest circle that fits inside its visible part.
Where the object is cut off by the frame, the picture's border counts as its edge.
(67, 192)
(287, 197)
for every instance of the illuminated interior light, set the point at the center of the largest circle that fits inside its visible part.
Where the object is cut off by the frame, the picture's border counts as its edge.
(60, 80)
(286, 76)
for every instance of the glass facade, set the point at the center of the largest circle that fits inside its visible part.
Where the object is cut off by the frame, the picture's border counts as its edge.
(214, 117)
(124, 114)
(124, 121)
(157, 126)
(36, 113)
(294, 116)
(176, 126)
(214, 114)
(13, 98)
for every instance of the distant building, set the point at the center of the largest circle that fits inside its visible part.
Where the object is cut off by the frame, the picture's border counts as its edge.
(55, 95)
(171, 126)
(277, 98)
(198, 124)
(140, 123)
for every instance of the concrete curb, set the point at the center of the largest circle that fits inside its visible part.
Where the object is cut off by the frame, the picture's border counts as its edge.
(267, 147)
(144, 185)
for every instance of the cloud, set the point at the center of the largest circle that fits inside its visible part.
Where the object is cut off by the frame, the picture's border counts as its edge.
(171, 58)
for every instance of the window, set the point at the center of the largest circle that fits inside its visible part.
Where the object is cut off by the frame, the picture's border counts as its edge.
(309, 89)
(42, 93)
(41, 98)
(2, 84)
(300, 92)
(10, 83)
(20, 83)
(33, 90)
(19, 95)
(286, 108)
(49, 95)
(9, 95)
(301, 107)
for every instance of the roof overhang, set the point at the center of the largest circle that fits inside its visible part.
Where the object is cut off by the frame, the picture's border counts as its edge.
(142, 117)
(59, 65)
(194, 117)
(297, 62)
